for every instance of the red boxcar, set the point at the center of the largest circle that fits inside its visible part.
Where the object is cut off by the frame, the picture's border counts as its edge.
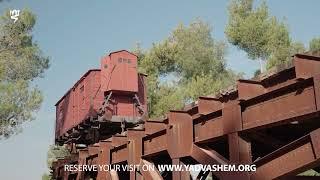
(118, 75)
(82, 101)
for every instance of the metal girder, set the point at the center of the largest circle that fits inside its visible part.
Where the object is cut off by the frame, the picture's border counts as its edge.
(152, 126)
(207, 156)
(208, 127)
(179, 134)
(294, 158)
(104, 159)
(282, 104)
(149, 175)
(180, 175)
(83, 153)
(239, 149)
(316, 85)
(135, 151)
(216, 121)
(208, 105)
(306, 66)
(154, 143)
(249, 88)
(119, 154)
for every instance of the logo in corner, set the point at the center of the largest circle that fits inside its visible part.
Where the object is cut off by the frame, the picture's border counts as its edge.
(14, 14)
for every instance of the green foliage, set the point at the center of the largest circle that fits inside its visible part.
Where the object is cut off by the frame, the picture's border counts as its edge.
(205, 84)
(309, 172)
(167, 98)
(187, 64)
(283, 54)
(297, 47)
(56, 152)
(21, 62)
(257, 73)
(247, 28)
(314, 44)
(17, 102)
(259, 34)
(196, 52)
(46, 177)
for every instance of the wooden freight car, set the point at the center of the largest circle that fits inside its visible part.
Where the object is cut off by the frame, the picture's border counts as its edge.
(116, 93)
(81, 102)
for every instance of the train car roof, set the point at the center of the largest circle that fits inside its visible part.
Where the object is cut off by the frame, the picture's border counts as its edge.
(121, 51)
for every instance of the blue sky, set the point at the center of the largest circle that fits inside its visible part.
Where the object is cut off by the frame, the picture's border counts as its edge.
(76, 34)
